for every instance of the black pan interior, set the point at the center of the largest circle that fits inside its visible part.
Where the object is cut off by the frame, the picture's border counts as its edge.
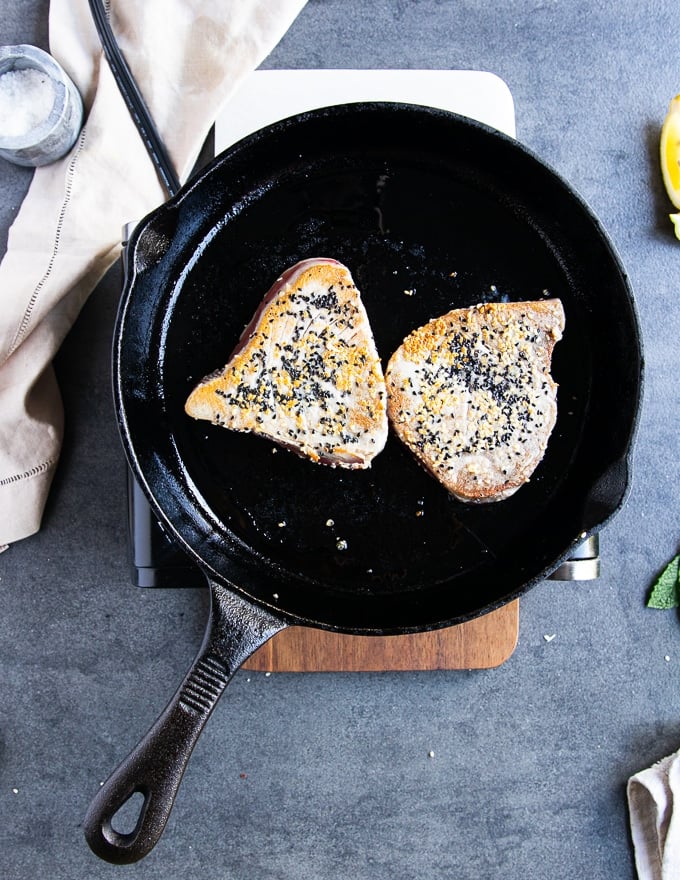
(410, 199)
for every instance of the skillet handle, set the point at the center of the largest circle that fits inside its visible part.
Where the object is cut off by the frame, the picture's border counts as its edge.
(154, 769)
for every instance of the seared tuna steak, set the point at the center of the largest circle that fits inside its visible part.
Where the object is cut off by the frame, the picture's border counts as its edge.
(305, 373)
(471, 395)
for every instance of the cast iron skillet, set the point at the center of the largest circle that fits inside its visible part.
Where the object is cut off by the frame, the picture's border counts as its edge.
(409, 198)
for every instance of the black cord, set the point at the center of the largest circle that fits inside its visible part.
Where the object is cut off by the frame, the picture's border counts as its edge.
(134, 100)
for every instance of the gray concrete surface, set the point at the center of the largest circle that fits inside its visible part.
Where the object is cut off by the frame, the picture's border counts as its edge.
(531, 759)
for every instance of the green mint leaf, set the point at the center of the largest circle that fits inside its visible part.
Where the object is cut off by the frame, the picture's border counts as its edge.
(666, 591)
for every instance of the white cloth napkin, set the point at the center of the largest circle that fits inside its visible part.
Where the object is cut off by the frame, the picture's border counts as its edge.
(187, 56)
(654, 824)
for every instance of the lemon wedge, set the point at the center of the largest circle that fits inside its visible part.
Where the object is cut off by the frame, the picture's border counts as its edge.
(675, 220)
(670, 151)
(670, 157)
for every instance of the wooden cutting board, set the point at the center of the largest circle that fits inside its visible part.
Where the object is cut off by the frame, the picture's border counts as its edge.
(483, 643)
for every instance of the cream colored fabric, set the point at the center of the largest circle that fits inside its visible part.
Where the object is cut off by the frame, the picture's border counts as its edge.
(654, 807)
(188, 56)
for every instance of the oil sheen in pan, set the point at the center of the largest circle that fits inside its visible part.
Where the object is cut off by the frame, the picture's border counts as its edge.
(416, 249)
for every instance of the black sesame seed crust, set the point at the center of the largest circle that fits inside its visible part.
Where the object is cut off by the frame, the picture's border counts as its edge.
(470, 393)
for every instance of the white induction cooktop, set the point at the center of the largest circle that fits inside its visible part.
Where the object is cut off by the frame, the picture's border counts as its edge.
(269, 95)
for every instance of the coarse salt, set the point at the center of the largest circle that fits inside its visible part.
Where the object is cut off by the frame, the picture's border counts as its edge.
(26, 99)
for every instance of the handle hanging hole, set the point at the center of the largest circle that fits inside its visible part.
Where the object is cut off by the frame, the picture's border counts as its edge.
(128, 816)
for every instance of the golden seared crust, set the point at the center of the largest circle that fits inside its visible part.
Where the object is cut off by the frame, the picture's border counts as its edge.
(470, 393)
(306, 373)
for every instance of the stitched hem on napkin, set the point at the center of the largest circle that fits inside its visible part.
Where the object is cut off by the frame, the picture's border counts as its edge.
(24, 494)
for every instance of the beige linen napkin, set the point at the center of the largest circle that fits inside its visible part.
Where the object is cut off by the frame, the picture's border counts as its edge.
(654, 824)
(187, 56)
